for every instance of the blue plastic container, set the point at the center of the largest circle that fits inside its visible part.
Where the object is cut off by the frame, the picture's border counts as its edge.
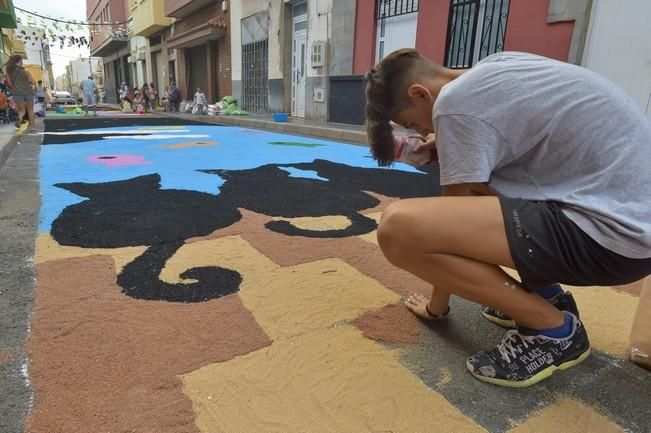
(280, 117)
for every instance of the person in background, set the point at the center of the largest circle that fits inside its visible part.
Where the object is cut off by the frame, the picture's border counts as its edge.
(123, 90)
(3, 81)
(174, 97)
(199, 101)
(22, 88)
(153, 96)
(88, 90)
(40, 92)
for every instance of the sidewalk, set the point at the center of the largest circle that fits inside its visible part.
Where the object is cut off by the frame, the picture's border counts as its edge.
(7, 133)
(332, 131)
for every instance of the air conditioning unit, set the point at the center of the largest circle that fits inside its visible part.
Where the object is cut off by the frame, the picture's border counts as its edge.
(131, 59)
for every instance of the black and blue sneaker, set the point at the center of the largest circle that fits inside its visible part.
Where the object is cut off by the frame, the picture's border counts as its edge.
(524, 358)
(563, 301)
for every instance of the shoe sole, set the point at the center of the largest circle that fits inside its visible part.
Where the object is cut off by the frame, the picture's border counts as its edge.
(541, 375)
(504, 323)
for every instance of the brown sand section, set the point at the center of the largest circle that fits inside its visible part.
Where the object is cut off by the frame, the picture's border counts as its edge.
(104, 362)
(364, 256)
(48, 249)
(608, 317)
(392, 323)
(190, 144)
(286, 301)
(568, 416)
(333, 380)
(335, 222)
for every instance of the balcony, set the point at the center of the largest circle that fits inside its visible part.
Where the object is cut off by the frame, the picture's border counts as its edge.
(183, 8)
(148, 17)
(107, 44)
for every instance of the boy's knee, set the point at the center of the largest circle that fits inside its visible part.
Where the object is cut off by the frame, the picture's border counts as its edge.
(391, 233)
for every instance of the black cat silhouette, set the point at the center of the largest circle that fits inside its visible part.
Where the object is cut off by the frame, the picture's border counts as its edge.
(137, 212)
(271, 191)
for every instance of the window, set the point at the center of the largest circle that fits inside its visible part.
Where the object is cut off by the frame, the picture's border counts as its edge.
(476, 29)
(396, 22)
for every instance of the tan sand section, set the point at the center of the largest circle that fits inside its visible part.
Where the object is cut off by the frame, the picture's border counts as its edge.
(103, 362)
(335, 222)
(597, 303)
(640, 344)
(568, 416)
(372, 237)
(594, 304)
(333, 380)
(48, 249)
(190, 144)
(286, 301)
(363, 256)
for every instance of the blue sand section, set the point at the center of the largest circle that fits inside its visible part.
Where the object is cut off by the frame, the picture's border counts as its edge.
(178, 168)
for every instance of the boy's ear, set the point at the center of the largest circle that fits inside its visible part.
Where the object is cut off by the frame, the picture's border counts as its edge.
(418, 91)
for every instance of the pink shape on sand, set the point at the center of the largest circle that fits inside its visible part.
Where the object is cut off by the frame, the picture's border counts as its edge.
(118, 160)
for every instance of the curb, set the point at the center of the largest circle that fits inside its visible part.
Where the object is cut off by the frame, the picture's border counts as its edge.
(320, 131)
(7, 149)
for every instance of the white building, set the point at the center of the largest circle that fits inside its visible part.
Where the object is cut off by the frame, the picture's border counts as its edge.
(82, 68)
(283, 54)
(618, 46)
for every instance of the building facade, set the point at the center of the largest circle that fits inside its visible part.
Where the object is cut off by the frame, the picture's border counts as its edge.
(201, 37)
(286, 54)
(619, 47)
(111, 43)
(152, 25)
(458, 34)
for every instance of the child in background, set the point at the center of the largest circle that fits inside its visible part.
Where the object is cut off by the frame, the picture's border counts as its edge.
(199, 101)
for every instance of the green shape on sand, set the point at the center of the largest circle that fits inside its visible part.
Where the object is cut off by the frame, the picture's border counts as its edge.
(294, 143)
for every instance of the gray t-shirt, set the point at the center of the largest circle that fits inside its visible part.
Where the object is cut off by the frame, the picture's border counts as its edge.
(541, 129)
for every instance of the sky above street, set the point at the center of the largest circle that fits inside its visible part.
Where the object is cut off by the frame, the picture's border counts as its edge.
(61, 9)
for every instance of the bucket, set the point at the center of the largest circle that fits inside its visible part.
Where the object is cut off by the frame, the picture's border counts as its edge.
(280, 117)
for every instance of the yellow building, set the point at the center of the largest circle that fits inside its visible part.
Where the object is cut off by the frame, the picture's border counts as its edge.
(148, 16)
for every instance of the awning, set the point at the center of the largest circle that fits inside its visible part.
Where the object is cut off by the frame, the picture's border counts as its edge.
(213, 29)
(7, 14)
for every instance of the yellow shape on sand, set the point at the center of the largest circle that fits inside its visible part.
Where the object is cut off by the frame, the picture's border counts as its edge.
(568, 416)
(333, 380)
(372, 236)
(286, 301)
(48, 249)
(190, 144)
(324, 223)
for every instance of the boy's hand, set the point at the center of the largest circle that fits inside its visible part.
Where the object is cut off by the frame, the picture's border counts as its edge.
(427, 146)
(428, 142)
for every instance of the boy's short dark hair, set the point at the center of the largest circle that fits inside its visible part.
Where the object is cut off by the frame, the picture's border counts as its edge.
(386, 94)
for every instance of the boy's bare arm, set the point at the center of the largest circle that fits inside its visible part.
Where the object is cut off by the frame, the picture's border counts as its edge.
(467, 189)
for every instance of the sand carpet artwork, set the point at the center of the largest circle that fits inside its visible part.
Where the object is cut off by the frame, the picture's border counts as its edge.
(202, 278)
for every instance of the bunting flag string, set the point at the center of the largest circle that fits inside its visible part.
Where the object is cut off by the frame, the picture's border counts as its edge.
(36, 29)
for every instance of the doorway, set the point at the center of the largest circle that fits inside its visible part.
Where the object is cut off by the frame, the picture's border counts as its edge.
(299, 49)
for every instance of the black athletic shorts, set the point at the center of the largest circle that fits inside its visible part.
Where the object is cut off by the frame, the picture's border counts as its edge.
(547, 247)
